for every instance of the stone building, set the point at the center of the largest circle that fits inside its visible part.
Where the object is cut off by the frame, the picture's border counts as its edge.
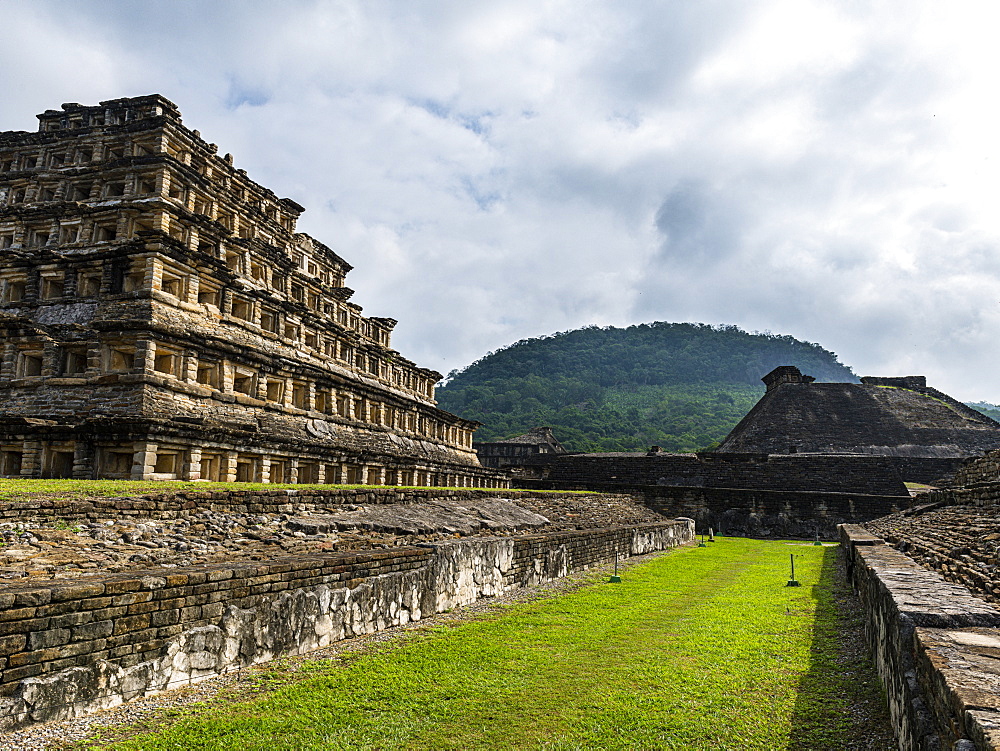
(864, 438)
(511, 453)
(161, 318)
(926, 432)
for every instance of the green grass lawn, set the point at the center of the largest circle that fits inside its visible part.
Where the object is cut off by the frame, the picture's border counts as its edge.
(701, 648)
(12, 489)
(20, 489)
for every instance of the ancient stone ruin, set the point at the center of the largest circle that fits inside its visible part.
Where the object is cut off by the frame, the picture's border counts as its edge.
(928, 433)
(512, 453)
(162, 319)
(929, 586)
(807, 457)
(863, 438)
(109, 599)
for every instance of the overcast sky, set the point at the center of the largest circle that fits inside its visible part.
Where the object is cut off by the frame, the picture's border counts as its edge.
(506, 169)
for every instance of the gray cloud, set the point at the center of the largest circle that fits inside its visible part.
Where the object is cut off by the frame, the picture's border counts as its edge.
(508, 169)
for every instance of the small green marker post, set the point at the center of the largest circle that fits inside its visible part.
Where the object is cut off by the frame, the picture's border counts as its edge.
(615, 579)
(817, 538)
(793, 582)
(702, 543)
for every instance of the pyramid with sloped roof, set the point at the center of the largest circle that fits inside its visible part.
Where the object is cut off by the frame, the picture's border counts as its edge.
(882, 416)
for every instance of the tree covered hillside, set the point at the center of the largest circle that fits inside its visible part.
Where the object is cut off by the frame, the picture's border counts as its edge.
(990, 410)
(681, 386)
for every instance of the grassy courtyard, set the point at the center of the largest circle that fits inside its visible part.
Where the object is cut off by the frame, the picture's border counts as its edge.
(701, 648)
(82, 490)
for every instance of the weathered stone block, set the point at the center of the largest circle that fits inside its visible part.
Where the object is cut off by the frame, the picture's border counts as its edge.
(11, 644)
(120, 586)
(212, 610)
(12, 676)
(25, 627)
(32, 597)
(143, 607)
(95, 630)
(131, 598)
(50, 638)
(128, 623)
(77, 591)
(104, 614)
(67, 620)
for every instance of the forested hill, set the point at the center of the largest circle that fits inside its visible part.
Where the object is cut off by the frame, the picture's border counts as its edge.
(681, 386)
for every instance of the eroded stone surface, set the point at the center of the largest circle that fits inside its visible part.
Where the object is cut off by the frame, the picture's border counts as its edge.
(184, 532)
(497, 515)
(961, 542)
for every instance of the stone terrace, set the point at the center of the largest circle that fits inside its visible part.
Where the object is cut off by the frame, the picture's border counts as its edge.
(45, 538)
(109, 599)
(961, 542)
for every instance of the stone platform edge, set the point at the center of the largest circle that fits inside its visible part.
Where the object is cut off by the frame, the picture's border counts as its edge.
(69, 648)
(935, 646)
(271, 501)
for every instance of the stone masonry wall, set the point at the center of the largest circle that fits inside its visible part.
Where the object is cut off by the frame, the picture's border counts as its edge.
(761, 513)
(935, 647)
(770, 513)
(985, 469)
(877, 475)
(986, 495)
(67, 649)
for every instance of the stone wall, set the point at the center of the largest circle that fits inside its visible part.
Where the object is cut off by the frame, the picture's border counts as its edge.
(960, 542)
(927, 470)
(873, 475)
(935, 647)
(67, 649)
(762, 513)
(770, 513)
(984, 496)
(985, 469)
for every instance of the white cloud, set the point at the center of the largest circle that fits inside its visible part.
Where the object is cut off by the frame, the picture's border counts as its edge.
(508, 169)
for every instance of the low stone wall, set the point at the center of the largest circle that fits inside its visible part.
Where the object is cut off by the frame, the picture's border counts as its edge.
(982, 495)
(67, 649)
(770, 513)
(841, 473)
(935, 646)
(927, 470)
(169, 505)
(959, 542)
(740, 512)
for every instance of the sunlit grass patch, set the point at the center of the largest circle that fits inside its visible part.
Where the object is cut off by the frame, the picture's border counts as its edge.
(701, 648)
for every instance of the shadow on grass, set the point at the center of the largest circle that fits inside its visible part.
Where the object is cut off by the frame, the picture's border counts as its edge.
(840, 703)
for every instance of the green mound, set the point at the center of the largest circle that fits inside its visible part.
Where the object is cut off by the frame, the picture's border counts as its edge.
(680, 386)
